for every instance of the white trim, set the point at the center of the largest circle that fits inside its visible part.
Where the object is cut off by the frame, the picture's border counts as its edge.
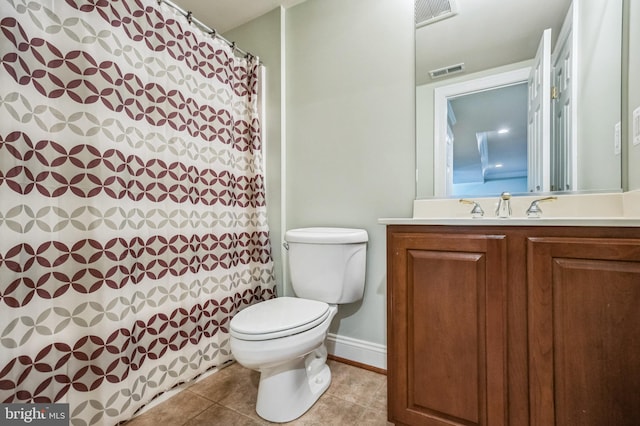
(368, 353)
(575, 53)
(440, 96)
(569, 34)
(283, 149)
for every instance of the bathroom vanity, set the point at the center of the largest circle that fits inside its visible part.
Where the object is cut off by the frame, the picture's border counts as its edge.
(513, 322)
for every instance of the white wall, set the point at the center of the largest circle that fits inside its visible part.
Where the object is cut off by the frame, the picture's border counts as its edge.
(350, 131)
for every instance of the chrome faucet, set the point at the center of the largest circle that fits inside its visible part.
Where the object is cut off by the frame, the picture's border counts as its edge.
(476, 211)
(504, 205)
(534, 209)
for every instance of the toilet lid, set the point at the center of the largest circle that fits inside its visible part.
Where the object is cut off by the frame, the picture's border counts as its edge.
(279, 317)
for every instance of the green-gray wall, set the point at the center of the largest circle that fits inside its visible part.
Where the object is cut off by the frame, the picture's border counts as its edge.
(599, 104)
(348, 146)
(350, 131)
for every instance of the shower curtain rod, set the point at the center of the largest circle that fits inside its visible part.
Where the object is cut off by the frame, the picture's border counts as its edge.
(206, 28)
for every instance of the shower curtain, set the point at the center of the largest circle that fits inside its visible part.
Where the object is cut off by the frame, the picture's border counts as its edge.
(132, 203)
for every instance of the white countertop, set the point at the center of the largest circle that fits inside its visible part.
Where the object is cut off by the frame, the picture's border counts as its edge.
(495, 221)
(597, 209)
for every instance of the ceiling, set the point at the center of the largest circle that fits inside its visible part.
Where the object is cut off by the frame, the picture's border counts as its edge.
(486, 34)
(487, 112)
(223, 15)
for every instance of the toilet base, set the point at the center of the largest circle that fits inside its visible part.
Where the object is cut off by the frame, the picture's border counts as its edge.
(287, 391)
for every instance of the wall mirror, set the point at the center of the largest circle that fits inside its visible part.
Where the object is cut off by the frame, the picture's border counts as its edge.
(477, 58)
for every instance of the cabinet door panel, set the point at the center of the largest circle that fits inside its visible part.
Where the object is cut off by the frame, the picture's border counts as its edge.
(584, 333)
(445, 294)
(446, 329)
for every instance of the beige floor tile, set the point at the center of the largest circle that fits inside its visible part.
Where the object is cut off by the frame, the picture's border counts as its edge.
(217, 415)
(328, 411)
(355, 384)
(243, 399)
(221, 384)
(374, 418)
(228, 397)
(174, 411)
(379, 401)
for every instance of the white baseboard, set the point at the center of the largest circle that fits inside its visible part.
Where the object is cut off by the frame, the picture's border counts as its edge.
(368, 353)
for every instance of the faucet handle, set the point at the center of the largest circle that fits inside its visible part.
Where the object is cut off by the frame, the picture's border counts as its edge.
(534, 209)
(476, 211)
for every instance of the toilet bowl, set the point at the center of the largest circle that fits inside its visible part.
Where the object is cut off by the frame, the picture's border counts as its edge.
(284, 338)
(291, 357)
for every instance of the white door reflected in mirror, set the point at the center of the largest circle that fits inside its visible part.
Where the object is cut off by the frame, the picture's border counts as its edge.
(579, 120)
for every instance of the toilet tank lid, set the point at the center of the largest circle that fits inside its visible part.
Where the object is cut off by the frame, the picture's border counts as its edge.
(326, 235)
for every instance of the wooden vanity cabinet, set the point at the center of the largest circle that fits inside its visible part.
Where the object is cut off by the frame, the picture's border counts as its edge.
(513, 325)
(584, 331)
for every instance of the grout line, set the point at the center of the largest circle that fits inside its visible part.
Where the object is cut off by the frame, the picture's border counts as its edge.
(201, 411)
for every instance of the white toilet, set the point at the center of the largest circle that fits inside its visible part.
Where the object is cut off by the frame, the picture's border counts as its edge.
(283, 338)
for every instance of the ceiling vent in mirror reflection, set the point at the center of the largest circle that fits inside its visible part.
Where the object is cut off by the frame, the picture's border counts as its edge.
(451, 69)
(430, 11)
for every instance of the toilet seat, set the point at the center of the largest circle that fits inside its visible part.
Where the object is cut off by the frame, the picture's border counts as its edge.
(279, 317)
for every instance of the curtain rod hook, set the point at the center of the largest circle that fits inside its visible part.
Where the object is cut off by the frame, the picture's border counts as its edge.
(189, 13)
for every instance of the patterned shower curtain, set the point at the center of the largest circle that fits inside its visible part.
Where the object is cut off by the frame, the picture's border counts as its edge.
(132, 203)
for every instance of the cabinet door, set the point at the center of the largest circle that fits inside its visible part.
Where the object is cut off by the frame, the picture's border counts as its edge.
(584, 331)
(446, 329)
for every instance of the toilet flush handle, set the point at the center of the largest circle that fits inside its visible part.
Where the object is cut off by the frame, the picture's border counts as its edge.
(286, 245)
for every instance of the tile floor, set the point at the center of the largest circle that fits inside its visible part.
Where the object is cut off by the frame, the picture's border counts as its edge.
(355, 397)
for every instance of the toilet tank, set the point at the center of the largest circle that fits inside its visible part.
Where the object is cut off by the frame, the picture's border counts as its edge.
(327, 264)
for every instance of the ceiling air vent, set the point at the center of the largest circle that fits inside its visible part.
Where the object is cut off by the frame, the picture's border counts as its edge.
(429, 11)
(443, 72)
